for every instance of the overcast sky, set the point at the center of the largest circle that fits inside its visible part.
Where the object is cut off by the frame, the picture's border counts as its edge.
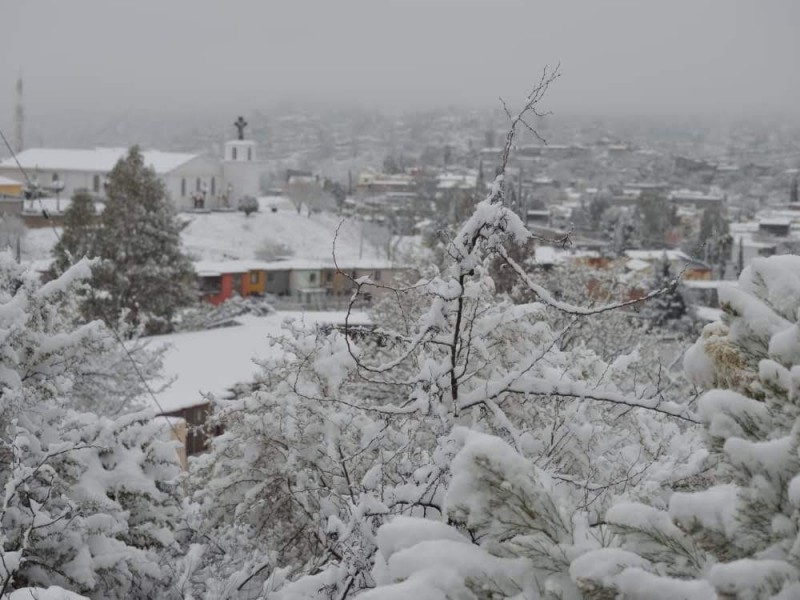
(642, 56)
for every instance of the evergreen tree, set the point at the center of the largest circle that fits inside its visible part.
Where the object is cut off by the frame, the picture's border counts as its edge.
(713, 241)
(655, 216)
(668, 307)
(737, 535)
(143, 276)
(78, 235)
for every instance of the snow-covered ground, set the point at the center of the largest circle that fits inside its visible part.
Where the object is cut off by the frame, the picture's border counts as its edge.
(212, 361)
(232, 235)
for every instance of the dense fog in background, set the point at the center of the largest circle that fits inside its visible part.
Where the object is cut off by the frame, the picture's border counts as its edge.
(193, 62)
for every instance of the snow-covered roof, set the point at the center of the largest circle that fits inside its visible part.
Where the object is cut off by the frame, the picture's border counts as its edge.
(695, 196)
(9, 181)
(311, 264)
(448, 181)
(706, 284)
(195, 362)
(650, 255)
(637, 265)
(97, 160)
(217, 268)
(775, 221)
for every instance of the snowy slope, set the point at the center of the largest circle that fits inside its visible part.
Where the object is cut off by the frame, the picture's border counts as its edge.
(212, 361)
(232, 235)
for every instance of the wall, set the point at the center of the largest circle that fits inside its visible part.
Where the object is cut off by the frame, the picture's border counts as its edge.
(72, 180)
(277, 283)
(202, 168)
(249, 287)
(305, 279)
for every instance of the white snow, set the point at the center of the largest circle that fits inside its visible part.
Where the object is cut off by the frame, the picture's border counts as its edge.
(99, 160)
(212, 361)
(52, 593)
(231, 235)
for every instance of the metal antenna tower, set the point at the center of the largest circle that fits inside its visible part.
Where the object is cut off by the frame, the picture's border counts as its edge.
(19, 119)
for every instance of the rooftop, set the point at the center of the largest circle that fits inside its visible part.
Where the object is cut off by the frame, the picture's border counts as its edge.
(97, 160)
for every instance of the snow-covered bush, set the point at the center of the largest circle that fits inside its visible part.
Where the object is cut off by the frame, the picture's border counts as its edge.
(86, 500)
(736, 536)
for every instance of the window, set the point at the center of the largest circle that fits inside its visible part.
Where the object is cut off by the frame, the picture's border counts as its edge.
(312, 278)
(213, 185)
(249, 154)
(96, 184)
(377, 276)
(329, 276)
(55, 177)
(233, 153)
(183, 186)
(197, 185)
(270, 276)
(254, 277)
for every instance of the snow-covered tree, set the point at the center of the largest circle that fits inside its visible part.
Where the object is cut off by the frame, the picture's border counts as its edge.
(78, 234)
(459, 421)
(736, 534)
(143, 275)
(87, 501)
(668, 309)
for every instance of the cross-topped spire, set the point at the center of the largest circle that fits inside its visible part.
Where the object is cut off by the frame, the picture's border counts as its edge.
(240, 124)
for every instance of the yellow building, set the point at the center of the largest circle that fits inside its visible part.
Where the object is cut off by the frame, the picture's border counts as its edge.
(10, 187)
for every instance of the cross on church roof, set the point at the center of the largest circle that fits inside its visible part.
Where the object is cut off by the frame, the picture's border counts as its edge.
(240, 124)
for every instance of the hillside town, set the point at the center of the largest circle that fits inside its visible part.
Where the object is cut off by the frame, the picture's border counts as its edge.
(399, 300)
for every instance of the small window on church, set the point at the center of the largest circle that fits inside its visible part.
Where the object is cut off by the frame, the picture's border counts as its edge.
(249, 154)
(96, 184)
(233, 155)
(312, 278)
(55, 177)
(183, 186)
(197, 185)
(213, 185)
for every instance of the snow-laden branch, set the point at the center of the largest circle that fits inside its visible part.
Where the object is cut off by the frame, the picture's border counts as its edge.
(539, 386)
(77, 272)
(547, 298)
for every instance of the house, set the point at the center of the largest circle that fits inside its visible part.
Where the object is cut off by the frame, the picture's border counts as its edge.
(192, 181)
(697, 199)
(10, 187)
(307, 282)
(69, 170)
(214, 361)
(219, 281)
(679, 262)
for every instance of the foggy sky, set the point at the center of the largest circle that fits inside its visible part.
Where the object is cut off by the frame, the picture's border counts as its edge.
(617, 56)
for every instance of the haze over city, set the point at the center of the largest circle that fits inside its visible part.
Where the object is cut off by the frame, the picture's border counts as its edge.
(733, 57)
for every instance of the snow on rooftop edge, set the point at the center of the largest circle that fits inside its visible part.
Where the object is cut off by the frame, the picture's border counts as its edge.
(93, 160)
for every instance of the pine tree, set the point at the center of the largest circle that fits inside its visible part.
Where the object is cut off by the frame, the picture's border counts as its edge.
(669, 307)
(737, 535)
(78, 235)
(143, 277)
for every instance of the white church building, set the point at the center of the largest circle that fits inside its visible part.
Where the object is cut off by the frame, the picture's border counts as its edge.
(192, 181)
